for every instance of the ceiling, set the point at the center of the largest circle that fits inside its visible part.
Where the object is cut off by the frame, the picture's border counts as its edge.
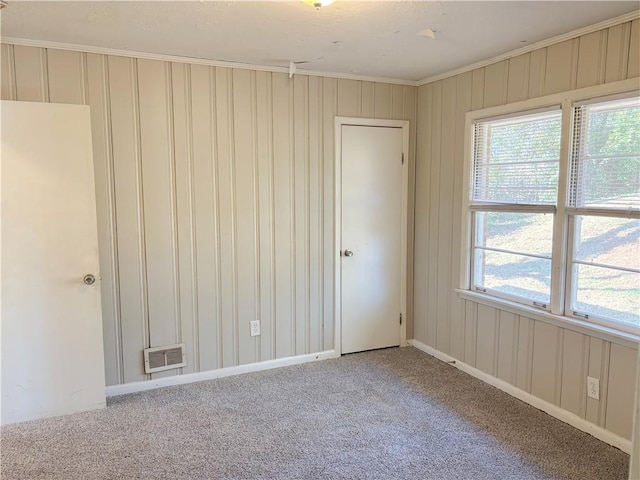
(368, 38)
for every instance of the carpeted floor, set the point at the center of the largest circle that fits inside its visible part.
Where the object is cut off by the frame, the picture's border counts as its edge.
(395, 413)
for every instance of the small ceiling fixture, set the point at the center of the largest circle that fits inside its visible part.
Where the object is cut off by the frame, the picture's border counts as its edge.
(427, 32)
(318, 3)
(3, 3)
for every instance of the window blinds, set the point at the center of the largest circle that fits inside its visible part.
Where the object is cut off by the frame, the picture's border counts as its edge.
(516, 160)
(605, 163)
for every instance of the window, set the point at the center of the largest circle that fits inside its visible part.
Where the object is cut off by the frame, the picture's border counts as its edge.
(604, 190)
(556, 224)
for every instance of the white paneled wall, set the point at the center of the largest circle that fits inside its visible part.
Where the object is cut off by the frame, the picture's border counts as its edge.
(215, 199)
(545, 360)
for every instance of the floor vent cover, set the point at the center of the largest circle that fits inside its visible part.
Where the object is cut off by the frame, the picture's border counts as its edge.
(157, 359)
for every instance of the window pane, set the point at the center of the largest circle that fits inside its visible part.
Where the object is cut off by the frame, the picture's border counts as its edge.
(606, 158)
(516, 159)
(607, 293)
(609, 241)
(530, 233)
(513, 275)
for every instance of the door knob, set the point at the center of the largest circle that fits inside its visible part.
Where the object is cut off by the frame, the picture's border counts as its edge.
(89, 279)
(348, 253)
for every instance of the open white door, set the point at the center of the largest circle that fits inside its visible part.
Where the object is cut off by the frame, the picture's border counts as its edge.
(371, 243)
(51, 327)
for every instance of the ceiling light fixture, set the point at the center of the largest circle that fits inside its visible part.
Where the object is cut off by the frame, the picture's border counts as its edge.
(3, 3)
(318, 3)
(427, 32)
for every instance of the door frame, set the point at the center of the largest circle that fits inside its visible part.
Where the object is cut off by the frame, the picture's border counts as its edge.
(337, 215)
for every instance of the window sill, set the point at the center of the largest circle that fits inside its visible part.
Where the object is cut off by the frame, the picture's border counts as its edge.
(580, 326)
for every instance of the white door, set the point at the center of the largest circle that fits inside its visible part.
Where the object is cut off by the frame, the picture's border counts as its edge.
(371, 243)
(52, 352)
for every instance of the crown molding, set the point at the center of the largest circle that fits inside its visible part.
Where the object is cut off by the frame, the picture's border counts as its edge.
(316, 73)
(627, 17)
(197, 61)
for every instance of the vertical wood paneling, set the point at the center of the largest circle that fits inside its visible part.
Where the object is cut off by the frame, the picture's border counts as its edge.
(524, 355)
(545, 361)
(30, 72)
(382, 107)
(445, 201)
(433, 214)
(463, 104)
(477, 92)
(215, 200)
(605, 364)
(620, 390)
(129, 221)
(518, 78)
(7, 73)
(283, 220)
(471, 332)
(486, 346)
(617, 52)
(421, 215)
(184, 204)
(409, 111)
(594, 369)
(537, 72)
(264, 123)
(226, 196)
(315, 187)
(349, 97)
(330, 109)
(206, 213)
(561, 67)
(507, 346)
(573, 373)
(591, 59)
(495, 83)
(66, 72)
(301, 205)
(244, 201)
(158, 199)
(99, 100)
(633, 69)
(397, 102)
(367, 100)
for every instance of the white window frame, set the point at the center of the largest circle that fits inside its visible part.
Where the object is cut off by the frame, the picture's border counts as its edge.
(558, 311)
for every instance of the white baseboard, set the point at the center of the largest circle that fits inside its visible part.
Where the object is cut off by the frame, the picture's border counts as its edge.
(114, 390)
(553, 410)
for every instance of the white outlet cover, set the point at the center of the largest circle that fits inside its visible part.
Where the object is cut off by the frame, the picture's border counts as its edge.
(593, 388)
(255, 328)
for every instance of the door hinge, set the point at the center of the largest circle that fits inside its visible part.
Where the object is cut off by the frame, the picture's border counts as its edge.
(400, 319)
(402, 159)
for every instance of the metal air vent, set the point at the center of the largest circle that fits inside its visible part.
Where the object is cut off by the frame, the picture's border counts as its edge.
(166, 357)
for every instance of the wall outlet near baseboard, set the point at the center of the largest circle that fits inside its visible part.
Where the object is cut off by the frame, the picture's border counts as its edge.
(255, 328)
(593, 388)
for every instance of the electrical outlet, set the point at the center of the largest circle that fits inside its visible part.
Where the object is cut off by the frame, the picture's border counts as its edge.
(255, 328)
(593, 388)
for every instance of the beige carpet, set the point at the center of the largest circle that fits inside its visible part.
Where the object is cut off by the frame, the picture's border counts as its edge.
(395, 413)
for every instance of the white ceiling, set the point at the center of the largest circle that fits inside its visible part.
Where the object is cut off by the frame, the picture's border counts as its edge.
(369, 38)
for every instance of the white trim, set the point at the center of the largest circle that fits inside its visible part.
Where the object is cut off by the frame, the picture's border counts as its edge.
(114, 390)
(197, 61)
(627, 17)
(337, 208)
(561, 229)
(553, 410)
(581, 326)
